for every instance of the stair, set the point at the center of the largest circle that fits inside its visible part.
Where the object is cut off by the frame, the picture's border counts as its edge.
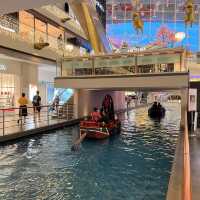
(67, 109)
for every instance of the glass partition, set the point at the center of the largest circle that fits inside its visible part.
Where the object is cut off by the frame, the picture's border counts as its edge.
(114, 65)
(55, 37)
(77, 67)
(40, 31)
(123, 64)
(26, 26)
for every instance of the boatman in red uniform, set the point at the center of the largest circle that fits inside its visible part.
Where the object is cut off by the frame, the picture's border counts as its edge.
(96, 116)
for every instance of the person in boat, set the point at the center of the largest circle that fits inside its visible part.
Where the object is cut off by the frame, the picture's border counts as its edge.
(155, 106)
(160, 108)
(104, 117)
(153, 110)
(108, 106)
(95, 115)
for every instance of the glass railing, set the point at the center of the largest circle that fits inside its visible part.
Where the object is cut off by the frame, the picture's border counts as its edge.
(18, 31)
(166, 60)
(54, 10)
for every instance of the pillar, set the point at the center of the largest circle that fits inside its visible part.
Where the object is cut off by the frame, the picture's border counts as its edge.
(184, 106)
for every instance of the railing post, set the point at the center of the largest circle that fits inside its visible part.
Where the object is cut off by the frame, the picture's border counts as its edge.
(48, 115)
(21, 118)
(93, 69)
(3, 122)
(136, 64)
(67, 113)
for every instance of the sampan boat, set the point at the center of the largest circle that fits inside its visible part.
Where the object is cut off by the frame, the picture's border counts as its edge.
(98, 130)
(156, 113)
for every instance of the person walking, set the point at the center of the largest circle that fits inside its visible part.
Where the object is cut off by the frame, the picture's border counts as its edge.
(23, 101)
(56, 103)
(37, 104)
(60, 42)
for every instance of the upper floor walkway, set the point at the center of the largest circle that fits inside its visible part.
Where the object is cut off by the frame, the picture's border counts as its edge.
(155, 69)
(23, 37)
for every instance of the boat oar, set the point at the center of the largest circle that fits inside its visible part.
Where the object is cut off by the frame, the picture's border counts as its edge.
(76, 145)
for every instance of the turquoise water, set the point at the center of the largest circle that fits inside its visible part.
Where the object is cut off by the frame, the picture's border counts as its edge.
(135, 165)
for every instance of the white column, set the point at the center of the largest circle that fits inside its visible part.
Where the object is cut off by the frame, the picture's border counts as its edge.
(184, 106)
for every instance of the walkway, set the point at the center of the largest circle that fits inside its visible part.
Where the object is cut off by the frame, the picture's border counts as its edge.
(11, 128)
(30, 128)
(195, 165)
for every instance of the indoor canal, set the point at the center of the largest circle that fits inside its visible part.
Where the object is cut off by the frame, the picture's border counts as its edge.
(134, 165)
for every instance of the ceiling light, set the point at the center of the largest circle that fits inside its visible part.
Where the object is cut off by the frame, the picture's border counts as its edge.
(179, 36)
(69, 47)
(7, 29)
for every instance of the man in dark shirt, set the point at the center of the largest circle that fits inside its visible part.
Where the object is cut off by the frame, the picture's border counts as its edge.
(37, 104)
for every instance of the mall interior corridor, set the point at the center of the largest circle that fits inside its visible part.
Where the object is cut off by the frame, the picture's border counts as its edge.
(100, 99)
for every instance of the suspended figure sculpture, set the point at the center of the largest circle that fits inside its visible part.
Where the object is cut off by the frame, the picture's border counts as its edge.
(189, 13)
(136, 17)
(137, 22)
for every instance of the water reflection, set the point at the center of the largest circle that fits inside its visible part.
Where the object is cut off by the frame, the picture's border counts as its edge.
(135, 164)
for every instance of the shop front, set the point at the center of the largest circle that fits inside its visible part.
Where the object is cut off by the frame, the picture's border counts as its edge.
(9, 83)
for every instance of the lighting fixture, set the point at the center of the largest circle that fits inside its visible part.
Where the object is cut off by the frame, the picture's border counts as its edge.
(179, 36)
(7, 29)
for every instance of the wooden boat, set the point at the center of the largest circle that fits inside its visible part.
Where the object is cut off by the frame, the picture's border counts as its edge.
(156, 113)
(98, 130)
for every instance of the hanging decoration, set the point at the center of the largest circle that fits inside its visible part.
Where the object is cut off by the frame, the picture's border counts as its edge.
(189, 12)
(137, 20)
(165, 37)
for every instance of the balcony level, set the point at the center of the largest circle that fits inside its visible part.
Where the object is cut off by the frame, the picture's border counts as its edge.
(163, 69)
(23, 37)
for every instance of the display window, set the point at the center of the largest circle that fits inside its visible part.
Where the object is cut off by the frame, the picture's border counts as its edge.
(40, 31)
(32, 91)
(7, 90)
(26, 25)
(55, 36)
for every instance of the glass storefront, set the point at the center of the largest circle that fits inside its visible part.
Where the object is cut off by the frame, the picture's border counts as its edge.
(37, 31)
(53, 35)
(7, 90)
(40, 31)
(26, 25)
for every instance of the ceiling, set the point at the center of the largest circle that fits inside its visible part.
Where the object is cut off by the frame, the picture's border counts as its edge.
(151, 10)
(10, 6)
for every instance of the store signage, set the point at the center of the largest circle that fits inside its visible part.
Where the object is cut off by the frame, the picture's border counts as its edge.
(3, 67)
(192, 105)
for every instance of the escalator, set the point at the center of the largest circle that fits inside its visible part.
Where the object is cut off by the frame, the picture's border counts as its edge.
(91, 21)
(66, 108)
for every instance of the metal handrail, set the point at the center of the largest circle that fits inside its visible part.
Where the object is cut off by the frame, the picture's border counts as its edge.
(11, 121)
(42, 106)
(187, 193)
